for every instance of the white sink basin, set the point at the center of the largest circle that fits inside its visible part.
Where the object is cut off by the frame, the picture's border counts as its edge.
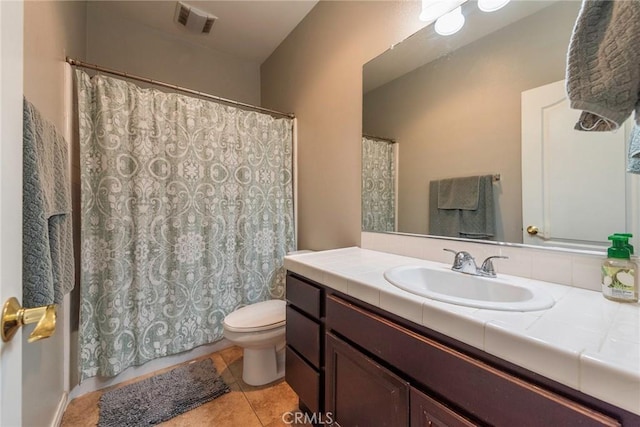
(473, 291)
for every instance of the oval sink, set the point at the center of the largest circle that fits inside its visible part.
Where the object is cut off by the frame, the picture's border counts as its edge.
(464, 289)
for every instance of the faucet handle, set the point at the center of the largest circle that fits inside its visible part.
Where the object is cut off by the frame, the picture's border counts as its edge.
(487, 269)
(451, 250)
(461, 257)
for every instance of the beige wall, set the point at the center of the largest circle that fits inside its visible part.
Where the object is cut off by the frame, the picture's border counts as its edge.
(123, 45)
(317, 73)
(460, 115)
(52, 29)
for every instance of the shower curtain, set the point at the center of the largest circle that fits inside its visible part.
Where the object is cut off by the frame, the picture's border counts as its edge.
(378, 185)
(187, 213)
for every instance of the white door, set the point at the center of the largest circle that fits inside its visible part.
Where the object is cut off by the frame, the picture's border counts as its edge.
(11, 23)
(574, 184)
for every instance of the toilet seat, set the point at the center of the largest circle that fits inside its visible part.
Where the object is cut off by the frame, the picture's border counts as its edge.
(257, 317)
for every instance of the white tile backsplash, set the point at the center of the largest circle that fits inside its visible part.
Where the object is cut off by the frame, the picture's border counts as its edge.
(586, 271)
(580, 270)
(552, 267)
(518, 264)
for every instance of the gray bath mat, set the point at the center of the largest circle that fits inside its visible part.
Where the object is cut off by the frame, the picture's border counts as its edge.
(161, 397)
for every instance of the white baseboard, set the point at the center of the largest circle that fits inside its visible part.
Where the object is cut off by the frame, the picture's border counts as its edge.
(62, 406)
(97, 383)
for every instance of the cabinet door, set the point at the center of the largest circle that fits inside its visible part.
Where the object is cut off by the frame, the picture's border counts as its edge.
(426, 412)
(360, 392)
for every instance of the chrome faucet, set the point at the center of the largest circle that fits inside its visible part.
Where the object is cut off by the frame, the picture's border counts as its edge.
(463, 262)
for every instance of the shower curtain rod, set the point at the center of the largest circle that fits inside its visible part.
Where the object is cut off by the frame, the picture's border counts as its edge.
(78, 63)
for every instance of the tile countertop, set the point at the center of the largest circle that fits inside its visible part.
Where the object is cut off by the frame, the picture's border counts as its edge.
(584, 341)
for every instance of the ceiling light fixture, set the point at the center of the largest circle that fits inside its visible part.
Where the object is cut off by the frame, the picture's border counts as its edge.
(450, 23)
(491, 5)
(434, 9)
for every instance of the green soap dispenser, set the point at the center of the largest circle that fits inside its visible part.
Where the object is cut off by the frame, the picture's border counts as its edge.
(619, 273)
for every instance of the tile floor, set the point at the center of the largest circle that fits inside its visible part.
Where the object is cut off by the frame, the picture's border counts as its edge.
(244, 406)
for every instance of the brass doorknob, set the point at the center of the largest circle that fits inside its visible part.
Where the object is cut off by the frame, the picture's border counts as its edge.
(14, 316)
(532, 230)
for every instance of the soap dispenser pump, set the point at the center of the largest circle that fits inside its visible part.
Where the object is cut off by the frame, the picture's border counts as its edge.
(619, 273)
(628, 236)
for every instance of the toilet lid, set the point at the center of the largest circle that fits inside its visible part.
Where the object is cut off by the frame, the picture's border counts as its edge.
(257, 317)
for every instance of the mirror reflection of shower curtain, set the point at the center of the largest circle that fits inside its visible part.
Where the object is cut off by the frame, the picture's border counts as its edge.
(187, 213)
(378, 185)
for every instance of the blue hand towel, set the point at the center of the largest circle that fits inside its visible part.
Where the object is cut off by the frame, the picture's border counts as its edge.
(48, 262)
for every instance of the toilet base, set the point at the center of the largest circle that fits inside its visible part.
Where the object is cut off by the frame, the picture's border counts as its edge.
(262, 366)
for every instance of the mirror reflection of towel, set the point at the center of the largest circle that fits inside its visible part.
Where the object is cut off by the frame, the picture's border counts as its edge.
(466, 223)
(459, 193)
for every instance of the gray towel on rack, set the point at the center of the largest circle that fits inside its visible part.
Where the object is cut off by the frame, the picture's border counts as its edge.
(469, 224)
(459, 193)
(442, 222)
(48, 262)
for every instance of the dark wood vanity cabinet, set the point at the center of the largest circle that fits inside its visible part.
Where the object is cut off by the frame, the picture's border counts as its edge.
(360, 392)
(375, 369)
(305, 337)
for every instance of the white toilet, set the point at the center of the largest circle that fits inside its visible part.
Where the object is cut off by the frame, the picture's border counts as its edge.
(259, 329)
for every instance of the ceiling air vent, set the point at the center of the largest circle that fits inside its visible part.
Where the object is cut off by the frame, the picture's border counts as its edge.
(193, 20)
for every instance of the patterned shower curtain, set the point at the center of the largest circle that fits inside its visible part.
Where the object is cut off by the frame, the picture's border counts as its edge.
(187, 213)
(378, 185)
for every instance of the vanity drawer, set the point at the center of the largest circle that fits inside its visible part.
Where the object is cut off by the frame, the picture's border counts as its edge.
(482, 390)
(303, 334)
(304, 296)
(303, 379)
(426, 412)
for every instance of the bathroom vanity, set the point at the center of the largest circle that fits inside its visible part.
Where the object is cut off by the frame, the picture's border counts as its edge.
(372, 355)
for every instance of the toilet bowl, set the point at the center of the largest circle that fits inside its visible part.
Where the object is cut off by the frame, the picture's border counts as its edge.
(259, 329)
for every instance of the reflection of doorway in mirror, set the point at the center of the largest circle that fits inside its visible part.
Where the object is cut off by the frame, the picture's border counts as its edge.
(379, 184)
(576, 191)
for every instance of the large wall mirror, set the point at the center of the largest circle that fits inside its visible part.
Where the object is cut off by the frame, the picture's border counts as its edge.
(489, 101)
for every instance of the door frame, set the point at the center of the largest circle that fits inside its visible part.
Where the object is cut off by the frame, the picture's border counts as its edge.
(11, 96)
